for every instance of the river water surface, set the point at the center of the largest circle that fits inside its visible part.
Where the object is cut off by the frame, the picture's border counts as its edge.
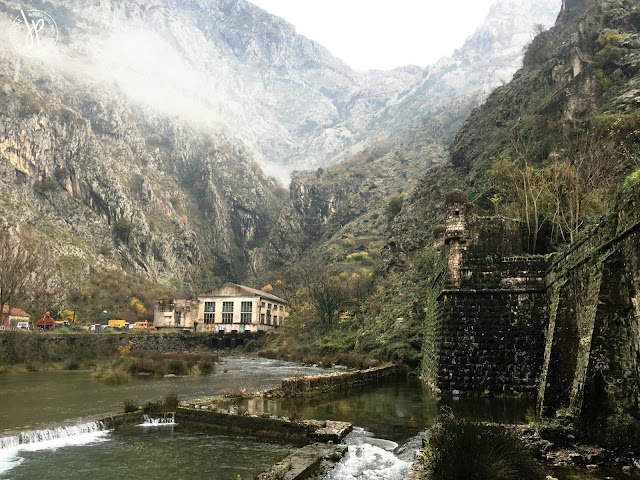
(389, 420)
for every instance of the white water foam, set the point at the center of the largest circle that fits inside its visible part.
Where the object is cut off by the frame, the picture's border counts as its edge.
(167, 419)
(371, 458)
(48, 439)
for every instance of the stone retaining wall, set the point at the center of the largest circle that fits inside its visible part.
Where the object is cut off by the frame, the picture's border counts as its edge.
(208, 416)
(23, 347)
(318, 384)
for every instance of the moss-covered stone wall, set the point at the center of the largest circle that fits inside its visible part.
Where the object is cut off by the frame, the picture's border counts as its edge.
(565, 328)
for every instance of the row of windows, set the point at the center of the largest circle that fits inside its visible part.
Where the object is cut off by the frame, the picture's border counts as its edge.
(210, 307)
(246, 316)
(275, 307)
(267, 320)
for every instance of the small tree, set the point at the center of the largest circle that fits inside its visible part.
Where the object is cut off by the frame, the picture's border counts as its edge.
(393, 208)
(327, 299)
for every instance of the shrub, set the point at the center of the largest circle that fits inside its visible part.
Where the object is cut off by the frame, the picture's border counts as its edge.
(178, 367)
(142, 365)
(168, 404)
(72, 364)
(115, 377)
(631, 182)
(393, 208)
(462, 449)
(130, 406)
(235, 392)
(206, 367)
(251, 346)
(48, 184)
(122, 229)
(32, 367)
(611, 52)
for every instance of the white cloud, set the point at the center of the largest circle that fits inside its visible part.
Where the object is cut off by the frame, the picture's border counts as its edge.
(383, 34)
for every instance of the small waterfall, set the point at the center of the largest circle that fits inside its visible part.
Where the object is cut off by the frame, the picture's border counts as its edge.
(374, 459)
(32, 437)
(47, 439)
(163, 420)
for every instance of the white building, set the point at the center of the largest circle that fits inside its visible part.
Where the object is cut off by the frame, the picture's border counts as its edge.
(227, 308)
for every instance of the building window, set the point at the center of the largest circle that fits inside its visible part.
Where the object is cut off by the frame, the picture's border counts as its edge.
(177, 317)
(281, 308)
(275, 320)
(269, 307)
(262, 318)
(245, 318)
(209, 318)
(262, 304)
(209, 307)
(227, 312)
(246, 307)
(268, 319)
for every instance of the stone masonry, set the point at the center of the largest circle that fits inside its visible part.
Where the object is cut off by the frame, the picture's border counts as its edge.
(564, 328)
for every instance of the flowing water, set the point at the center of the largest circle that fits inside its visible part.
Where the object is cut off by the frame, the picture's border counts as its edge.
(144, 453)
(390, 420)
(31, 400)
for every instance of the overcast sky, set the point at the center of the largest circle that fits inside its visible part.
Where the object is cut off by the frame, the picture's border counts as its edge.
(383, 34)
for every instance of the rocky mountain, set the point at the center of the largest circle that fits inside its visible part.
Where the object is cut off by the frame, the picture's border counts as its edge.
(239, 67)
(570, 110)
(142, 140)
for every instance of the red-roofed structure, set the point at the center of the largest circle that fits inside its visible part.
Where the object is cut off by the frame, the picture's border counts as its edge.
(16, 315)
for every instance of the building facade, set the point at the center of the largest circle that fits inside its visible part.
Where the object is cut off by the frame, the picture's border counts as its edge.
(229, 308)
(11, 319)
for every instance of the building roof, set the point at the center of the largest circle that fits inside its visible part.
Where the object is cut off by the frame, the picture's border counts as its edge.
(15, 312)
(247, 291)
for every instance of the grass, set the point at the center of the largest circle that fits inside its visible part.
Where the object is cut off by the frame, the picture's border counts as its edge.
(464, 450)
(130, 406)
(235, 392)
(115, 377)
(166, 405)
(350, 360)
(154, 364)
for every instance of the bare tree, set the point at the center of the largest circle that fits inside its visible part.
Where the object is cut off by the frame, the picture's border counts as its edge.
(327, 298)
(18, 273)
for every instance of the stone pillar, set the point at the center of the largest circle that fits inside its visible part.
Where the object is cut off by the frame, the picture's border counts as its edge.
(456, 234)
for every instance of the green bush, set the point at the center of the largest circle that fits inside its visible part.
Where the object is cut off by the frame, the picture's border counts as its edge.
(178, 367)
(206, 367)
(72, 364)
(142, 365)
(631, 182)
(462, 449)
(122, 229)
(130, 406)
(251, 346)
(116, 377)
(611, 52)
(393, 208)
(168, 404)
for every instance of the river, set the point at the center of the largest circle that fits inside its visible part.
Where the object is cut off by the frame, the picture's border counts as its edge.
(389, 421)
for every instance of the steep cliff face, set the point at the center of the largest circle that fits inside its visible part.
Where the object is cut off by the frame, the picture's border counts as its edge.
(578, 81)
(104, 183)
(583, 67)
(235, 68)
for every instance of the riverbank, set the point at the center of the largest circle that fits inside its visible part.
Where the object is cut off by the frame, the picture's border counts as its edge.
(23, 347)
(449, 446)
